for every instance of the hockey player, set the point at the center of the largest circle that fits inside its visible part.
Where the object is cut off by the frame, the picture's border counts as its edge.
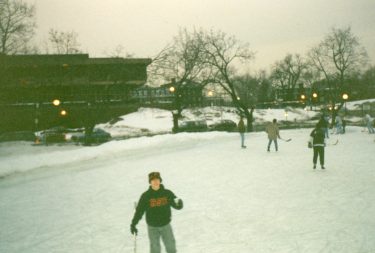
(273, 133)
(156, 202)
(318, 143)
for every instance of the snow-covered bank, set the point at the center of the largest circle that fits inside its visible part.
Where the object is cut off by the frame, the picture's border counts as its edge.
(151, 121)
(235, 200)
(22, 157)
(357, 105)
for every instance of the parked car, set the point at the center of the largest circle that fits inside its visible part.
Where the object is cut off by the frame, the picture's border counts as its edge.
(53, 135)
(98, 136)
(193, 126)
(224, 125)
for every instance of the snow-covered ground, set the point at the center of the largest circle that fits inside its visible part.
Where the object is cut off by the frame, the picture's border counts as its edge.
(80, 199)
(357, 105)
(151, 121)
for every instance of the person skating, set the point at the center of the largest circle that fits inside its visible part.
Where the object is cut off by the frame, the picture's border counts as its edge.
(369, 121)
(272, 130)
(338, 125)
(242, 130)
(318, 143)
(156, 202)
(343, 125)
(324, 121)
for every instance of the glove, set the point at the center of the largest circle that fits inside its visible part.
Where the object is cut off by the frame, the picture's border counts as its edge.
(179, 203)
(133, 229)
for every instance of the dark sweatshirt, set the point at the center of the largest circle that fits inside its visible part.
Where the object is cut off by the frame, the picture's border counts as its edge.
(318, 135)
(157, 205)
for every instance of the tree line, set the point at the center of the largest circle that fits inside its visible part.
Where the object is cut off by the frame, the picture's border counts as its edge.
(213, 58)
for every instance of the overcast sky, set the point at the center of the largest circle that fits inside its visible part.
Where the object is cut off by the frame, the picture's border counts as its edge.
(273, 28)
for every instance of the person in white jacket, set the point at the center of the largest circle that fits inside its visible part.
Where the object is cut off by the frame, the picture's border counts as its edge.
(369, 123)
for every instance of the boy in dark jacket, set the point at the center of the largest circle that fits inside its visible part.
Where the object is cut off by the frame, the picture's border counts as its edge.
(318, 142)
(156, 202)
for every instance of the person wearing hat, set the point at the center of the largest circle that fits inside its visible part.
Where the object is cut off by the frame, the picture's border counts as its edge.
(156, 202)
(317, 138)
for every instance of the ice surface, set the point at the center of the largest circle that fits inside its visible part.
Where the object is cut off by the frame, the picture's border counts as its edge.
(80, 199)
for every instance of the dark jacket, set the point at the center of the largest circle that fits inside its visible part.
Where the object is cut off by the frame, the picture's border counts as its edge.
(241, 126)
(323, 122)
(318, 136)
(157, 205)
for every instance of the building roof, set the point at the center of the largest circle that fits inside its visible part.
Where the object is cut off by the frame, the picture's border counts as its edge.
(61, 59)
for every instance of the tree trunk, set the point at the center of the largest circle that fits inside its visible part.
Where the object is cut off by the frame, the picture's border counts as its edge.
(250, 119)
(175, 121)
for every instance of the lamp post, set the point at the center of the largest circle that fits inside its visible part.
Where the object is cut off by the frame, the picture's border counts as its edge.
(345, 97)
(36, 119)
(210, 94)
(303, 98)
(56, 102)
(63, 113)
(315, 97)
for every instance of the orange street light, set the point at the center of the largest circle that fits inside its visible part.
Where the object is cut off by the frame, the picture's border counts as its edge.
(63, 113)
(56, 102)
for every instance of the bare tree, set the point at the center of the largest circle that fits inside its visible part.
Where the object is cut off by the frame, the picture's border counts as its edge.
(182, 62)
(287, 73)
(64, 42)
(118, 51)
(247, 88)
(16, 25)
(222, 54)
(336, 58)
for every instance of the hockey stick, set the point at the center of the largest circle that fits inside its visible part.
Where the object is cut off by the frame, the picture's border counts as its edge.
(286, 140)
(333, 144)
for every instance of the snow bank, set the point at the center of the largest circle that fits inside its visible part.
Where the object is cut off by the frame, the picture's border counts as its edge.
(21, 157)
(150, 121)
(357, 105)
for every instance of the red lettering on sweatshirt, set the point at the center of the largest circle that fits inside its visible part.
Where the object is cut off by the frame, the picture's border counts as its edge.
(158, 202)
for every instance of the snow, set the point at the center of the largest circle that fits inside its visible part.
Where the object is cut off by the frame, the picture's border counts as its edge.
(151, 121)
(80, 199)
(357, 105)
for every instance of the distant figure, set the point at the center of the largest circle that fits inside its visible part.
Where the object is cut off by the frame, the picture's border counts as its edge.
(338, 125)
(318, 143)
(326, 130)
(156, 202)
(369, 121)
(273, 133)
(242, 130)
(324, 122)
(343, 125)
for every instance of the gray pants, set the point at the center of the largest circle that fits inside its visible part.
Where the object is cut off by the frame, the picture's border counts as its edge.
(270, 142)
(242, 139)
(166, 234)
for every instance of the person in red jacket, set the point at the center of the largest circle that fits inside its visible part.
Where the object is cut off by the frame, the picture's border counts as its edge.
(156, 202)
